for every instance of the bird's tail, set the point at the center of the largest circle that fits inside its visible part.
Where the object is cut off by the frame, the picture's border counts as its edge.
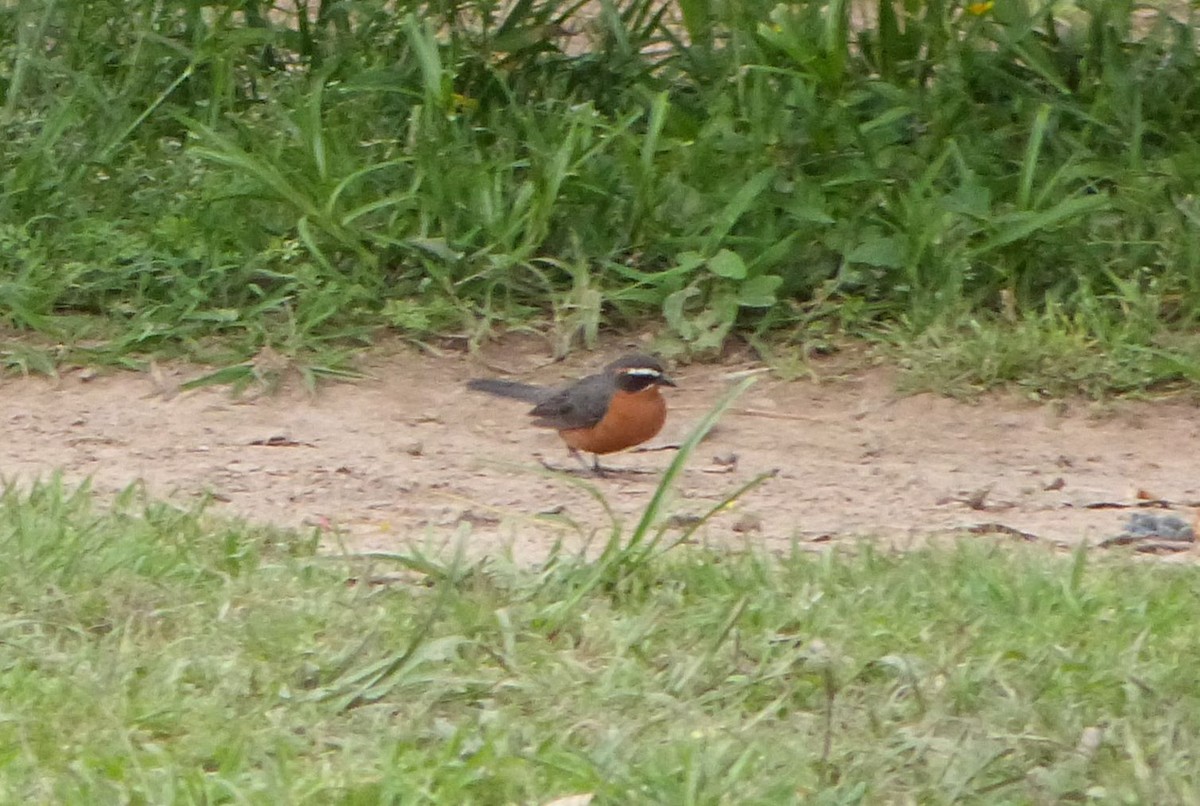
(514, 389)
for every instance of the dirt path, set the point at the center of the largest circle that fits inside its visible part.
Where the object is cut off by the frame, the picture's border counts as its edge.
(410, 455)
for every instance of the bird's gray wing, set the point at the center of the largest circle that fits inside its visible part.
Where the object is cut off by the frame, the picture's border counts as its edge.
(580, 405)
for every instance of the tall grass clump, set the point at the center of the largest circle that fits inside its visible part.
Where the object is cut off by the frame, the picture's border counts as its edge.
(299, 178)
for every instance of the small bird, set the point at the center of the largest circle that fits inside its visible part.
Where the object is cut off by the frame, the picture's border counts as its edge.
(610, 411)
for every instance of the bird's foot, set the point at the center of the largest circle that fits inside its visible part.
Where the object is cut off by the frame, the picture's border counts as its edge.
(608, 470)
(595, 469)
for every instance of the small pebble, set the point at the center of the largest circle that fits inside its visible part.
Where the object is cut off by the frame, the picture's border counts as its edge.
(748, 522)
(1164, 527)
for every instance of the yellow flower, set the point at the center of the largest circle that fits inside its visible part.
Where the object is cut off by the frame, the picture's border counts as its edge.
(979, 9)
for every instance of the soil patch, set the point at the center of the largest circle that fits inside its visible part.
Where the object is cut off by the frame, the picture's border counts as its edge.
(409, 455)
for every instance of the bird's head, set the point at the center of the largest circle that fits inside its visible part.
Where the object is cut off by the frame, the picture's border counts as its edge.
(637, 372)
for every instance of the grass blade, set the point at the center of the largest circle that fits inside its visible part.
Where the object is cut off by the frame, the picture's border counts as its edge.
(1033, 150)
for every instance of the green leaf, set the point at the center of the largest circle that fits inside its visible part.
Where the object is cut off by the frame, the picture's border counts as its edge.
(696, 19)
(673, 309)
(221, 377)
(711, 326)
(689, 260)
(759, 292)
(437, 247)
(727, 264)
(969, 199)
(810, 213)
(879, 250)
(737, 206)
(1015, 226)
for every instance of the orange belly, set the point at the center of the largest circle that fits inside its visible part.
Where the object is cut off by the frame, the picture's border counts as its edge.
(631, 420)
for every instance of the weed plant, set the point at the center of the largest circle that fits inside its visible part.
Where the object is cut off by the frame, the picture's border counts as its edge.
(219, 177)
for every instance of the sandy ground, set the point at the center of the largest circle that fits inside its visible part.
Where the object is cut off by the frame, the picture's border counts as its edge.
(409, 455)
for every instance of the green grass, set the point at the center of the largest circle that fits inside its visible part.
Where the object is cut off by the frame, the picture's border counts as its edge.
(210, 179)
(1048, 356)
(156, 655)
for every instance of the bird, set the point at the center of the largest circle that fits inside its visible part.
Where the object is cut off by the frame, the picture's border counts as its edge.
(617, 408)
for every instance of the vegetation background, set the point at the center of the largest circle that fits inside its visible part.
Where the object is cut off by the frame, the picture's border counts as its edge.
(999, 192)
(1008, 190)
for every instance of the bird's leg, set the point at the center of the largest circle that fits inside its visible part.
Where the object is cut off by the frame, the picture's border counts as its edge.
(595, 469)
(602, 471)
(591, 469)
